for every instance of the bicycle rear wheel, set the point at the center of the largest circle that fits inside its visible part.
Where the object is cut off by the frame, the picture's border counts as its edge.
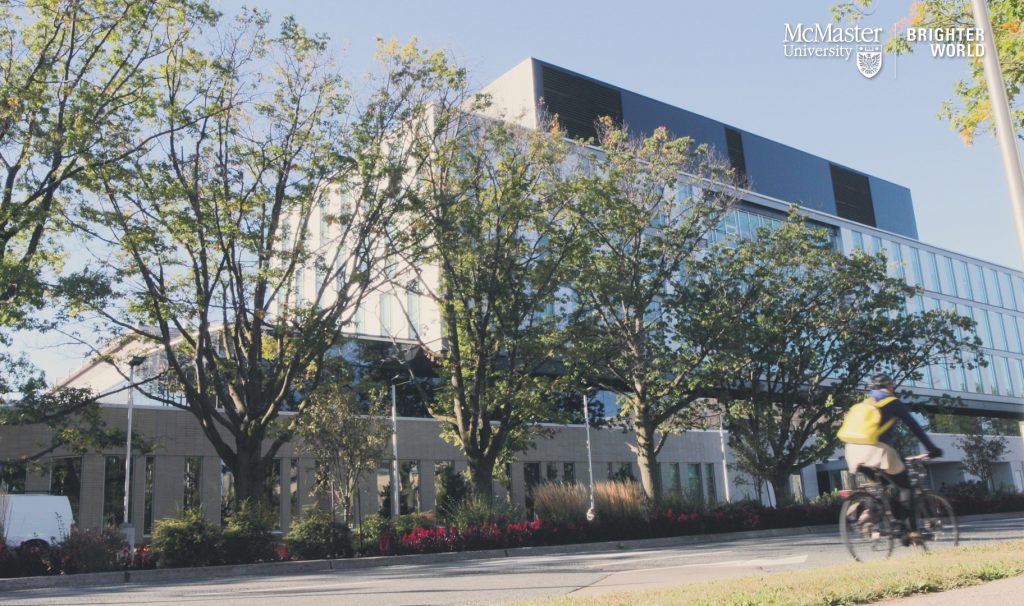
(936, 520)
(864, 528)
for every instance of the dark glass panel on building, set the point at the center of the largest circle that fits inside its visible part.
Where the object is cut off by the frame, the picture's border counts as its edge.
(579, 102)
(853, 196)
(734, 146)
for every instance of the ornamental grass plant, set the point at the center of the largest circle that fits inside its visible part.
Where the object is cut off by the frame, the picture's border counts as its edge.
(561, 503)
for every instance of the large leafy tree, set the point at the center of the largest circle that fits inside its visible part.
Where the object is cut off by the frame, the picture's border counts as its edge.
(969, 111)
(76, 78)
(492, 232)
(646, 209)
(806, 325)
(215, 264)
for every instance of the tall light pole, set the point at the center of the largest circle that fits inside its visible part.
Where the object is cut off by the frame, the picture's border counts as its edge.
(126, 526)
(1005, 131)
(591, 513)
(396, 486)
(725, 463)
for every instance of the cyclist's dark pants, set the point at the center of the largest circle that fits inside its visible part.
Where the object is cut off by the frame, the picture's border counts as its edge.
(904, 509)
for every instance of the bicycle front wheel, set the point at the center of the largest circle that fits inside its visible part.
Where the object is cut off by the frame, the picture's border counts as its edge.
(936, 520)
(865, 528)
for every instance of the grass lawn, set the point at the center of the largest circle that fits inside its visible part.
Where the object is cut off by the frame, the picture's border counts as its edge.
(849, 584)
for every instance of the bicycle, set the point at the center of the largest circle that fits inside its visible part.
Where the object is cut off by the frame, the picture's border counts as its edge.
(869, 528)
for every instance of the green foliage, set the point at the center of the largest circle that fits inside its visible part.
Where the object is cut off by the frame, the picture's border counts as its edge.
(371, 530)
(346, 436)
(317, 535)
(411, 521)
(981, 454)
(804, 324)
(246, 536)
(186, 540)
(969, 112)
(561, 503)
(452, 489)
(619, 502)
(643, 212)
(478, 510)
(491, 220)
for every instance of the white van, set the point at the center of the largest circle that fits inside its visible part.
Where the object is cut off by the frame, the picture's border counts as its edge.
(32, 517)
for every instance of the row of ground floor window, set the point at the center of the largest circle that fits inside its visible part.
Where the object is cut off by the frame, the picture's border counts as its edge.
(184, 471)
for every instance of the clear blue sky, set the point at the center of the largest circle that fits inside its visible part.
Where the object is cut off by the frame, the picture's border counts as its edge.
(723, 59)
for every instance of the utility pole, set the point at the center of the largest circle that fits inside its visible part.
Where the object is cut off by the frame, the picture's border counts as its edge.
(1005, 132)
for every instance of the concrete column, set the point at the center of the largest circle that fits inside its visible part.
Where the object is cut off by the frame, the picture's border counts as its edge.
(307, 476)
(168, 486)
(428, 489)
(209, 489)
(138, 498)
(90, 504)
(518, 481)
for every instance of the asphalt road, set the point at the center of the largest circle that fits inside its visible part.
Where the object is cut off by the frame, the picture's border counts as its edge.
(497, 580)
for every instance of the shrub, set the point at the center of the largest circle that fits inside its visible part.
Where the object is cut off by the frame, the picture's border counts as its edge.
(453, 489)
(476, 511)
(690, 501)
(89, 551)
(186, 540)
(412, 521)
(317, 535)
(374, 529)
(561, 503)
(246, 537)
(619, 502)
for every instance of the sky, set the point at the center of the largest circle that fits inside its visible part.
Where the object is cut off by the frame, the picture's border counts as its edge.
(723, 59)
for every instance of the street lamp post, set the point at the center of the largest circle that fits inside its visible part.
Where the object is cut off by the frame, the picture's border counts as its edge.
(396, 490)
(126, 526)
(725, 463)
(591, 513)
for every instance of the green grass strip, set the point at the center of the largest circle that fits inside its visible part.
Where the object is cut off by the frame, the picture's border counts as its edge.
(834, 586)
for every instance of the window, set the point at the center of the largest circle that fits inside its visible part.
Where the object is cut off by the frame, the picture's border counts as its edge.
(227, 491)
(984, 330)
(386, 310)
(1013, 334)
(852, 193)
(113, 491)
(1009, 300)
(931, 272)
(993, 376)
(359, 318)
(66, 480)
(998, 334)
(895, 252)
(947, 279)
(694, 483)
(709, 480)
(412, 305)
(569, 473)
(12, 477)
(916, 274)
(147, 512)
(734, 147)
(876, 245)
(857, 240)
(978, 284)
(300, 276)
(992, 286)
(963, 280)
(293, 486)
(325, 227)
(1018, 292)
(273, 491)
(1017, 368)
(675, 481)
(410, 483)
(193, 483)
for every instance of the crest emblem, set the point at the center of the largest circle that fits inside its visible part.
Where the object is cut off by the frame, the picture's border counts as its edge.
(869, 60)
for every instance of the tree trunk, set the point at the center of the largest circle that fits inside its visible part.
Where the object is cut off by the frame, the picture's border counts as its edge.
(647, 460)
(481, 473)
(780, 484)
(250, 473)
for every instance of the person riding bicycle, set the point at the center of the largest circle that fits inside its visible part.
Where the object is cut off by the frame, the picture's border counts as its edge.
(882, 456)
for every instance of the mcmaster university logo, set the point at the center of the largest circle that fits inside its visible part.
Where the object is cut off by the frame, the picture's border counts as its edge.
(869, 60)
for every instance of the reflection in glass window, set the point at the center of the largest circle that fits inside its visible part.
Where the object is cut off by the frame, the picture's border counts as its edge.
(948, 281)
(1013, 333)
(931, 272)
(992, 285)
(963, 280)
(895, 252)
(1017, 366)
(113, 491)
(66, 480)
(1009, 300)
(984, 330)
(996, 324)
(857, 240)
(978, 284)
(916, 274)
(193, 483)
(993, 376)
(876, 245)
(1018, 292)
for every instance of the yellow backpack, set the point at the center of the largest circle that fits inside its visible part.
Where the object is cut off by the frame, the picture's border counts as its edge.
(863, 422)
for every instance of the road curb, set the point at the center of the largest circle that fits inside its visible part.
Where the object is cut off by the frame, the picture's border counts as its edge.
(100, 579)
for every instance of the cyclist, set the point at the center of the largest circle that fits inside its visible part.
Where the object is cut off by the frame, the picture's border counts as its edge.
(883, 457)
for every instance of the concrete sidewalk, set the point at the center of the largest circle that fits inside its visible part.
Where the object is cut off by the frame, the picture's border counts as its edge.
(1007, 592)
